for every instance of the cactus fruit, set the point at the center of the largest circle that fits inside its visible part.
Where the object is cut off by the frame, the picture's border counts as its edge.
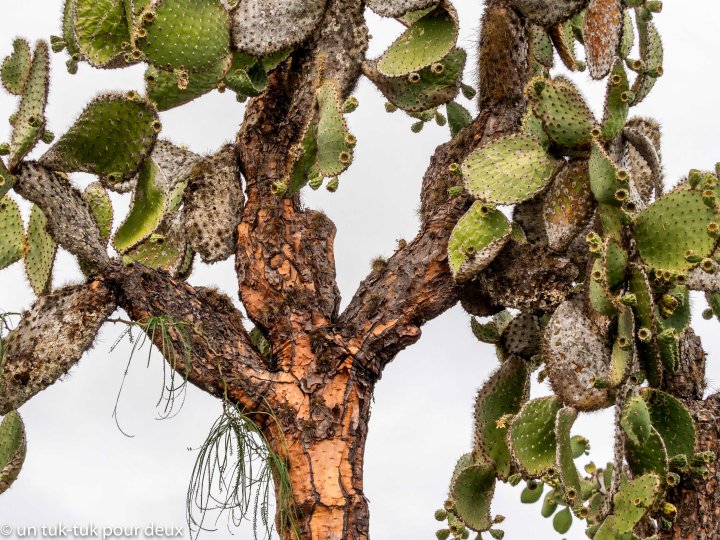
(567, 205)
(40, 250)
(396, 8)
(648, 457)
(126, 124)
(12, 232)
(531, 436)
(263, 27)
(617, 102)
(13, 447)
(458, 117)
(576, 356)
(29, 121)
(635, 420)
(425, 42)
(509, 170)
(476, 240)
(601, 34)
(214, 202)
(430, 87)
(562, 521)
(334, 152)
(672, 421)
(565, 458)
(550, 503)
(606, 179)
(102, 33)
(681, 219)
(16, 67)
(101, 207)
(565, 116)
(50, 339)
(503, 394)
(191, 35)
(471, 491)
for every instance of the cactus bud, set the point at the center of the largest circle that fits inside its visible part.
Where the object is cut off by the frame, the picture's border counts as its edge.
(351, 104)
(448, 504)
(580, 66)
(389, 107)
(47, 137)
(333, 184)
(707, 314)
(4, 149)
(57, 43)
(514, 479)
(441, 514)
(417, 126)
(590, 468)
(713, 229)
(455, 169)
(279, 188)
(442, 534)
(629, 300)
(455, 191)
(414, 78)
(468, 91)
(497, 534)
(440, 119)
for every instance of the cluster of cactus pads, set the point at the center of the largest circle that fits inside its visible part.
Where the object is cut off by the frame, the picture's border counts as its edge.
(618, 335)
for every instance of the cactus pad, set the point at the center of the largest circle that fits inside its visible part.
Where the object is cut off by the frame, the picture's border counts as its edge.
(12, 449)
(565, 116)
(627, 40)
(476, 240)
(635, 420)
(565, 458)
(617, 102)
(214, 202)
(623, 348)
(162, 251)
(563, 37)
(641, 156)
(189, 35)
(605, 176)
(532, 436)
(680, 219)
(634, 500)
(29, 122)
(111, 138)
(335, 153)
(12, 232)
(102, 33)
(601, 34)
(396, 8)
(503, 393)
(651, 53)
(101, 207)
(40, 250)
(428, 88)
(7, 180)
(520, 337)
(471, 492)
(648, 352)
(508, 170)
(263, 27)
(648, 457)
(164, 91)
(247, 76)
(576, 356)
(568, 205)
(425, 42)
(16, 67)
(672, 421)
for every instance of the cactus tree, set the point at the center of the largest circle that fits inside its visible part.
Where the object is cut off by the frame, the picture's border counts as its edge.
(546, 221)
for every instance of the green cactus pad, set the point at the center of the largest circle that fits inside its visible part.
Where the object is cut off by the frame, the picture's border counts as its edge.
(40, 250)
(576, 355)
(16, 67)
(149, 205)
(29, 122)
(472, 491)
(425, 42)
(601, 299)
(601, 35)
(604, 173)
(680, 219)
(509, 170)
(562, 521)
(7, 180)
(532, 125)
(617, 102)
(680, 318)
(563, 37)
(623, 349)
(246, 76)
(458, 117)
(651, 53)
(102, 33)
(334, 153)
(672, 421)
(634, 500)
(565, 459)
(540, 46)
(12, 232)
(111, 138)
(669, 344)
(425, 89)
(101, 207)
(565, 116)
(68, 30)
(190, 35)
(648, 457)
(163, 90)
(615, 260)
(550, 503)
(12, 449)
(503, 393)
(568, 205)
(305, 154)
(627, 41)
(609, 531)
(635, 420)
(648, 352)
(160, 252)
(532, 436)
(476, 240)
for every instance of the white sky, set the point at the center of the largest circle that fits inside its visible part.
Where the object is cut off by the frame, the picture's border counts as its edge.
(81, 469)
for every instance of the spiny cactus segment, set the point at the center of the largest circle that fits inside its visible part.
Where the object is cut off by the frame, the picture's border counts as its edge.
(503, 394)
(397, 8)
(100, 205)
(601, 34)
(168, 90)
(16, 67)
(458, 117)
(633, 501)
(12, 449)
(650, 65)
(563, 38)
(476, 240)
(12, 232)
(635, 420)
(648, 457)
(532, 438)
(111, 138)
(425, 42)
(334, 142)
(565, 457)
(623, 352)
(471, 492)
(617, 102)
(29, 121)
(40, 251)
(102, 33)
(641, 156)
(509, 170)
(568, 205)
(672, 421)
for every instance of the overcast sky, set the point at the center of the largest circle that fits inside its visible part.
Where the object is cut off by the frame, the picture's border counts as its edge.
(81, 469)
